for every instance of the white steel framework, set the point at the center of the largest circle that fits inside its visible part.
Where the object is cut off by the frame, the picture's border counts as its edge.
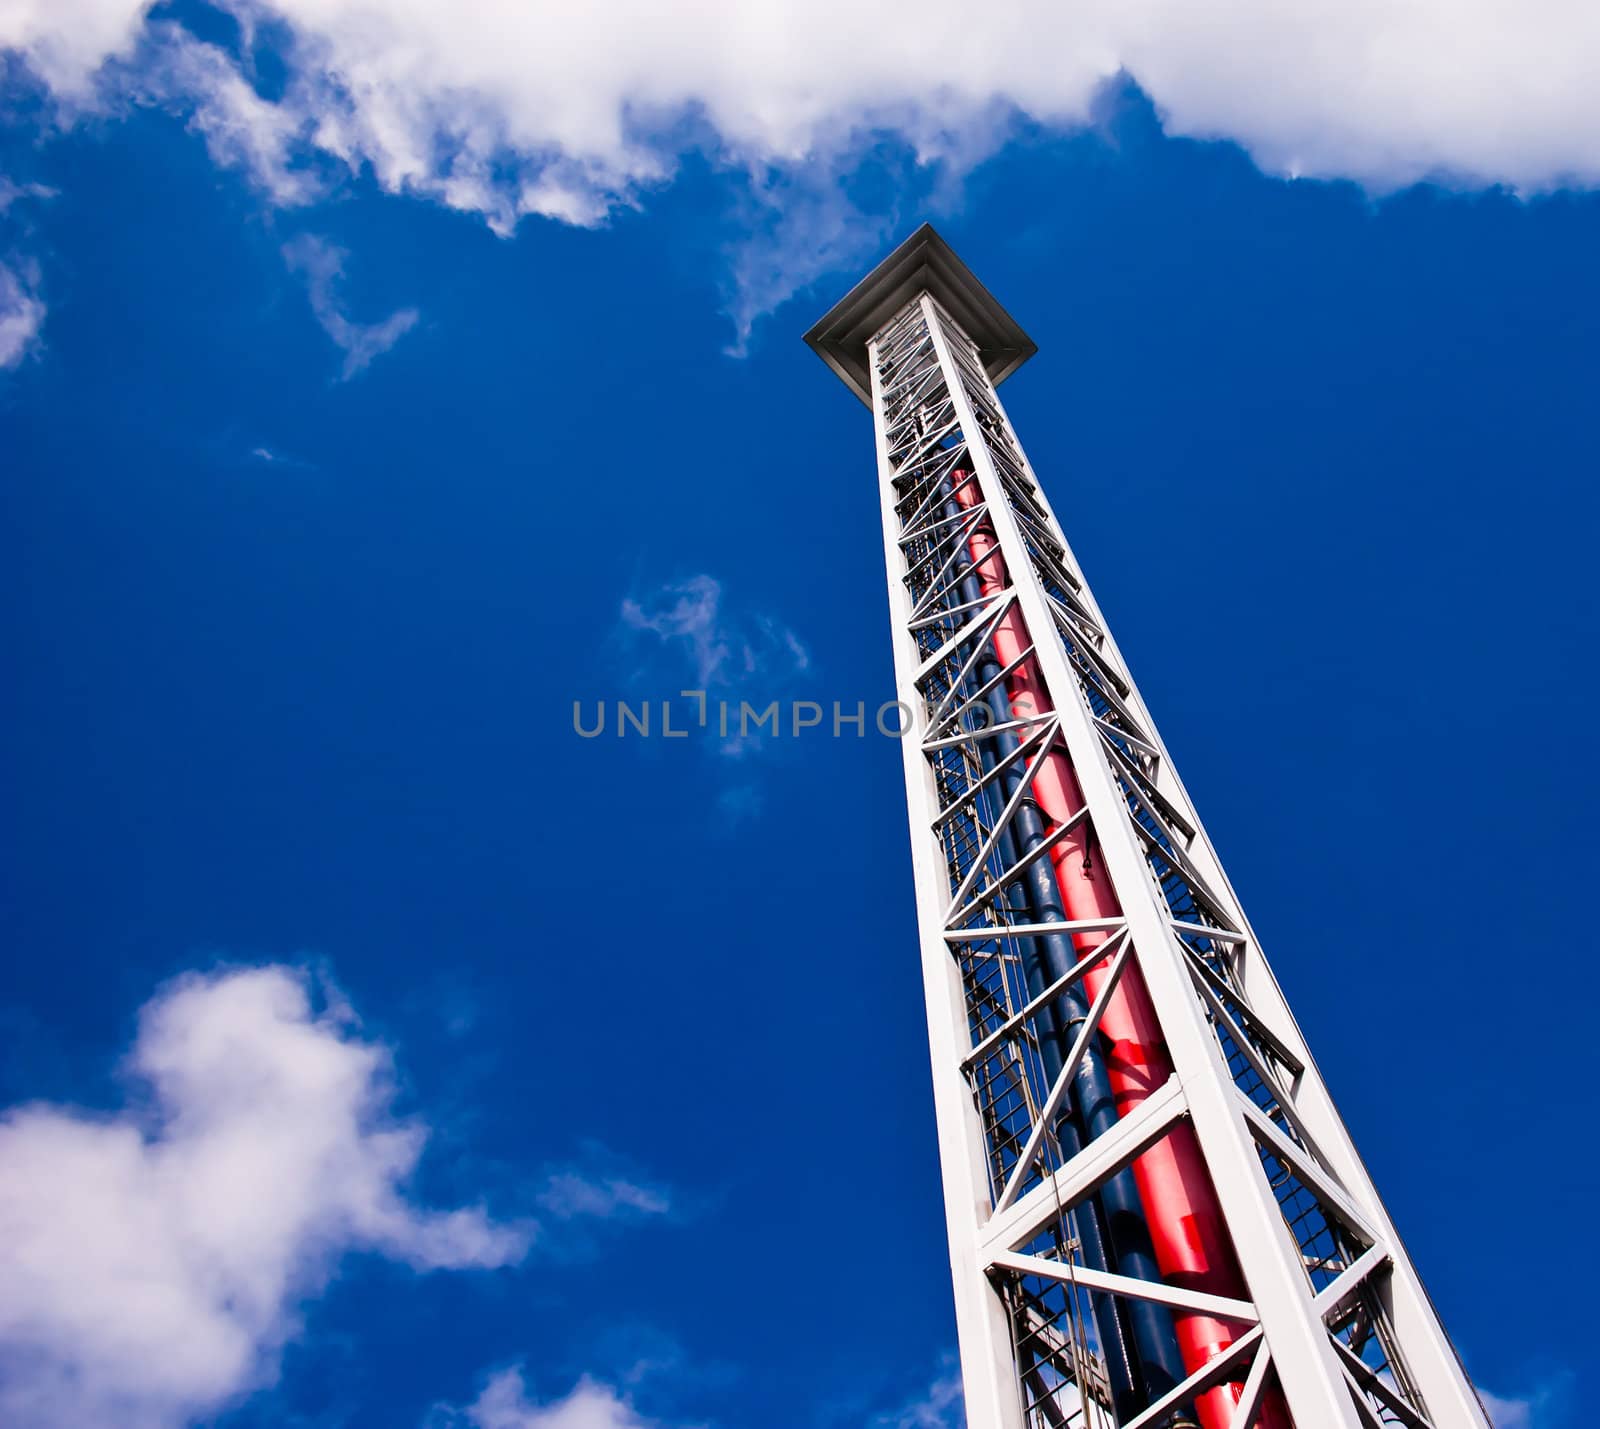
(1331, 1326)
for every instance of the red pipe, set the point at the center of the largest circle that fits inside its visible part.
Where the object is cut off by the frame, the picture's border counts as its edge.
(1187, 1230)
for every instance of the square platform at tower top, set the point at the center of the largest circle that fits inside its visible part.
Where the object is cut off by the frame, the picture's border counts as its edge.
(923, 262)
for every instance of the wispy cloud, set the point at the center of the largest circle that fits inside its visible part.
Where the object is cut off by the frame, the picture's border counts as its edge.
(11, 193)
(572, 1194)
(940, 1406)
(22, 309)
(686, 635)
(798, 223)
(273, 143)
(278, 460)
(1508, 1413)
(630, 1365)
(593, 1196)
(686, 615)
(505, 1402)
(22, 313)
(717, 647)
(321, 266)
(1543, 1407)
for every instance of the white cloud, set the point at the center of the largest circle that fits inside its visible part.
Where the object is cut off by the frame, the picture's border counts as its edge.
(240, 129)
(717, 646)
(798, 224)
(511, 107)
(21, 314)
(321, 266)
(682, 635)
(1544, 1408)
(11, 193)
(67, 41)
(505, 1404)
(151, 1261)
(686, 615)
(940, 1407)
(277, 460)
(568, 1195)
(1507, 1413)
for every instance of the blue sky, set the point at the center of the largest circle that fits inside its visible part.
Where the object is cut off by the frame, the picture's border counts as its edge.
(323, 500)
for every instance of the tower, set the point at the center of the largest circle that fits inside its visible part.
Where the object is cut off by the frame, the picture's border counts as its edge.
(1156, 1217)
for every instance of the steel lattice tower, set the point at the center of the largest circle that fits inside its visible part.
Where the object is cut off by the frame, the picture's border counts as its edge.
(1156, 1216)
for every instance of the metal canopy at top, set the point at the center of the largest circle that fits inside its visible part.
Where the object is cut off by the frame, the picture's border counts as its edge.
(924, 262)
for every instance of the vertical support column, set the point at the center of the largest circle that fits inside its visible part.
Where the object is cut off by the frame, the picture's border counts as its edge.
(989, 1374)
(1308, 1369)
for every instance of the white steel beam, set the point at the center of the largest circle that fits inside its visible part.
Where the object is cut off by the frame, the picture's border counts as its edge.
(989, 1371)
(1153, 1290)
